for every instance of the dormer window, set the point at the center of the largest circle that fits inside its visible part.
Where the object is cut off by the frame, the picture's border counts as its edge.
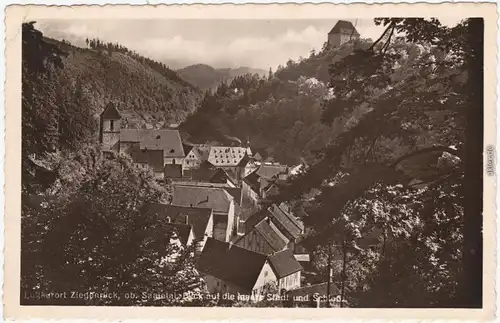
(158, 137)
(172, 150)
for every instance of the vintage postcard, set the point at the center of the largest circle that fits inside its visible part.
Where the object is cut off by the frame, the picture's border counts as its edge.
(285, 161)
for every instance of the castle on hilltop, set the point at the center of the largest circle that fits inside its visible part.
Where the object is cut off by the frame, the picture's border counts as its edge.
(341, 33)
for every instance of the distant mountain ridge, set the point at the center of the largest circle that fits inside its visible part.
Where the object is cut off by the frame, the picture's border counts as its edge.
(207, 77)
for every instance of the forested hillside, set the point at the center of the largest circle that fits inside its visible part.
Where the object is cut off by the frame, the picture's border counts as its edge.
(206, 77)
(279, 114)
(147, 92)
(83, 225)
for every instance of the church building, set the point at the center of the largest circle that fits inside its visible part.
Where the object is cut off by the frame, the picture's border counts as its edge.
(157, 149)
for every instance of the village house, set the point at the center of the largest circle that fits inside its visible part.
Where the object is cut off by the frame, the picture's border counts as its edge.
(263, 183)
(195, 156)
(279, 219)
(341, 33)
(192, 224)
(235, 161)
(209, 174)
(227, 268)
(263, 238)
(219, 200)
(148, 148)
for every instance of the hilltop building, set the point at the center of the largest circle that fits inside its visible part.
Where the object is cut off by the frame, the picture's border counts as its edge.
(153, 148)
(341, 33)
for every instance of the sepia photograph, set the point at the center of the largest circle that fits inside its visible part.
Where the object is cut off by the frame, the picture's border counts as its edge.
(333, 162)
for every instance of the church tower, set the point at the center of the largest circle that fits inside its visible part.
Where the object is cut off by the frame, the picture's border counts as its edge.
(110, 125)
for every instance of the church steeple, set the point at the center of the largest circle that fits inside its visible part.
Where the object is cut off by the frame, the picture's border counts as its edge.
(110, 128)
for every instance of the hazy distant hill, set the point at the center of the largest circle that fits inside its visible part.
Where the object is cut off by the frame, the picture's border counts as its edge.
(146, 92)
(207, 77)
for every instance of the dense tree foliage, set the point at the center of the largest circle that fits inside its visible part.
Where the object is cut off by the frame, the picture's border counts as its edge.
(91, 234)
(397, 171)
(84, 229)
(279, 114)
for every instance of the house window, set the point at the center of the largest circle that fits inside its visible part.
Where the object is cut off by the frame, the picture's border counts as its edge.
(173, 161)
(112, 125)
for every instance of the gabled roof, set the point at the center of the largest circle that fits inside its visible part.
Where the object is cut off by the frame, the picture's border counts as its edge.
(285, 220)
(226, 156)
(110, 112)
(214, 198)
(285, 209)
(196, 217)
(235, 193)
(252, 180)
(231, 263)
(284, 263)
(153, 158)
(276, 215)
(167, 140)
(342, 25)
(187, 148)
(271, 234)
(268, 171)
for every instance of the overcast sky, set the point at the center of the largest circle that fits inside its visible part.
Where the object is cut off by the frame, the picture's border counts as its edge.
(219, 43)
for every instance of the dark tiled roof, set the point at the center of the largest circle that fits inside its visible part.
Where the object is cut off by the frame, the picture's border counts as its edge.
(285, 221)
(252, 180)
(196, 217)
(187, 148)
(343, 25)
(235, 193)
(284, 263)
(153, 158)
(284, 208)
(255, 218)
(110, 112)
(173, 171)
(269, 171)
(231, 263)
(167, 140)
(271, 234)
(183, 231)
(214, 198)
